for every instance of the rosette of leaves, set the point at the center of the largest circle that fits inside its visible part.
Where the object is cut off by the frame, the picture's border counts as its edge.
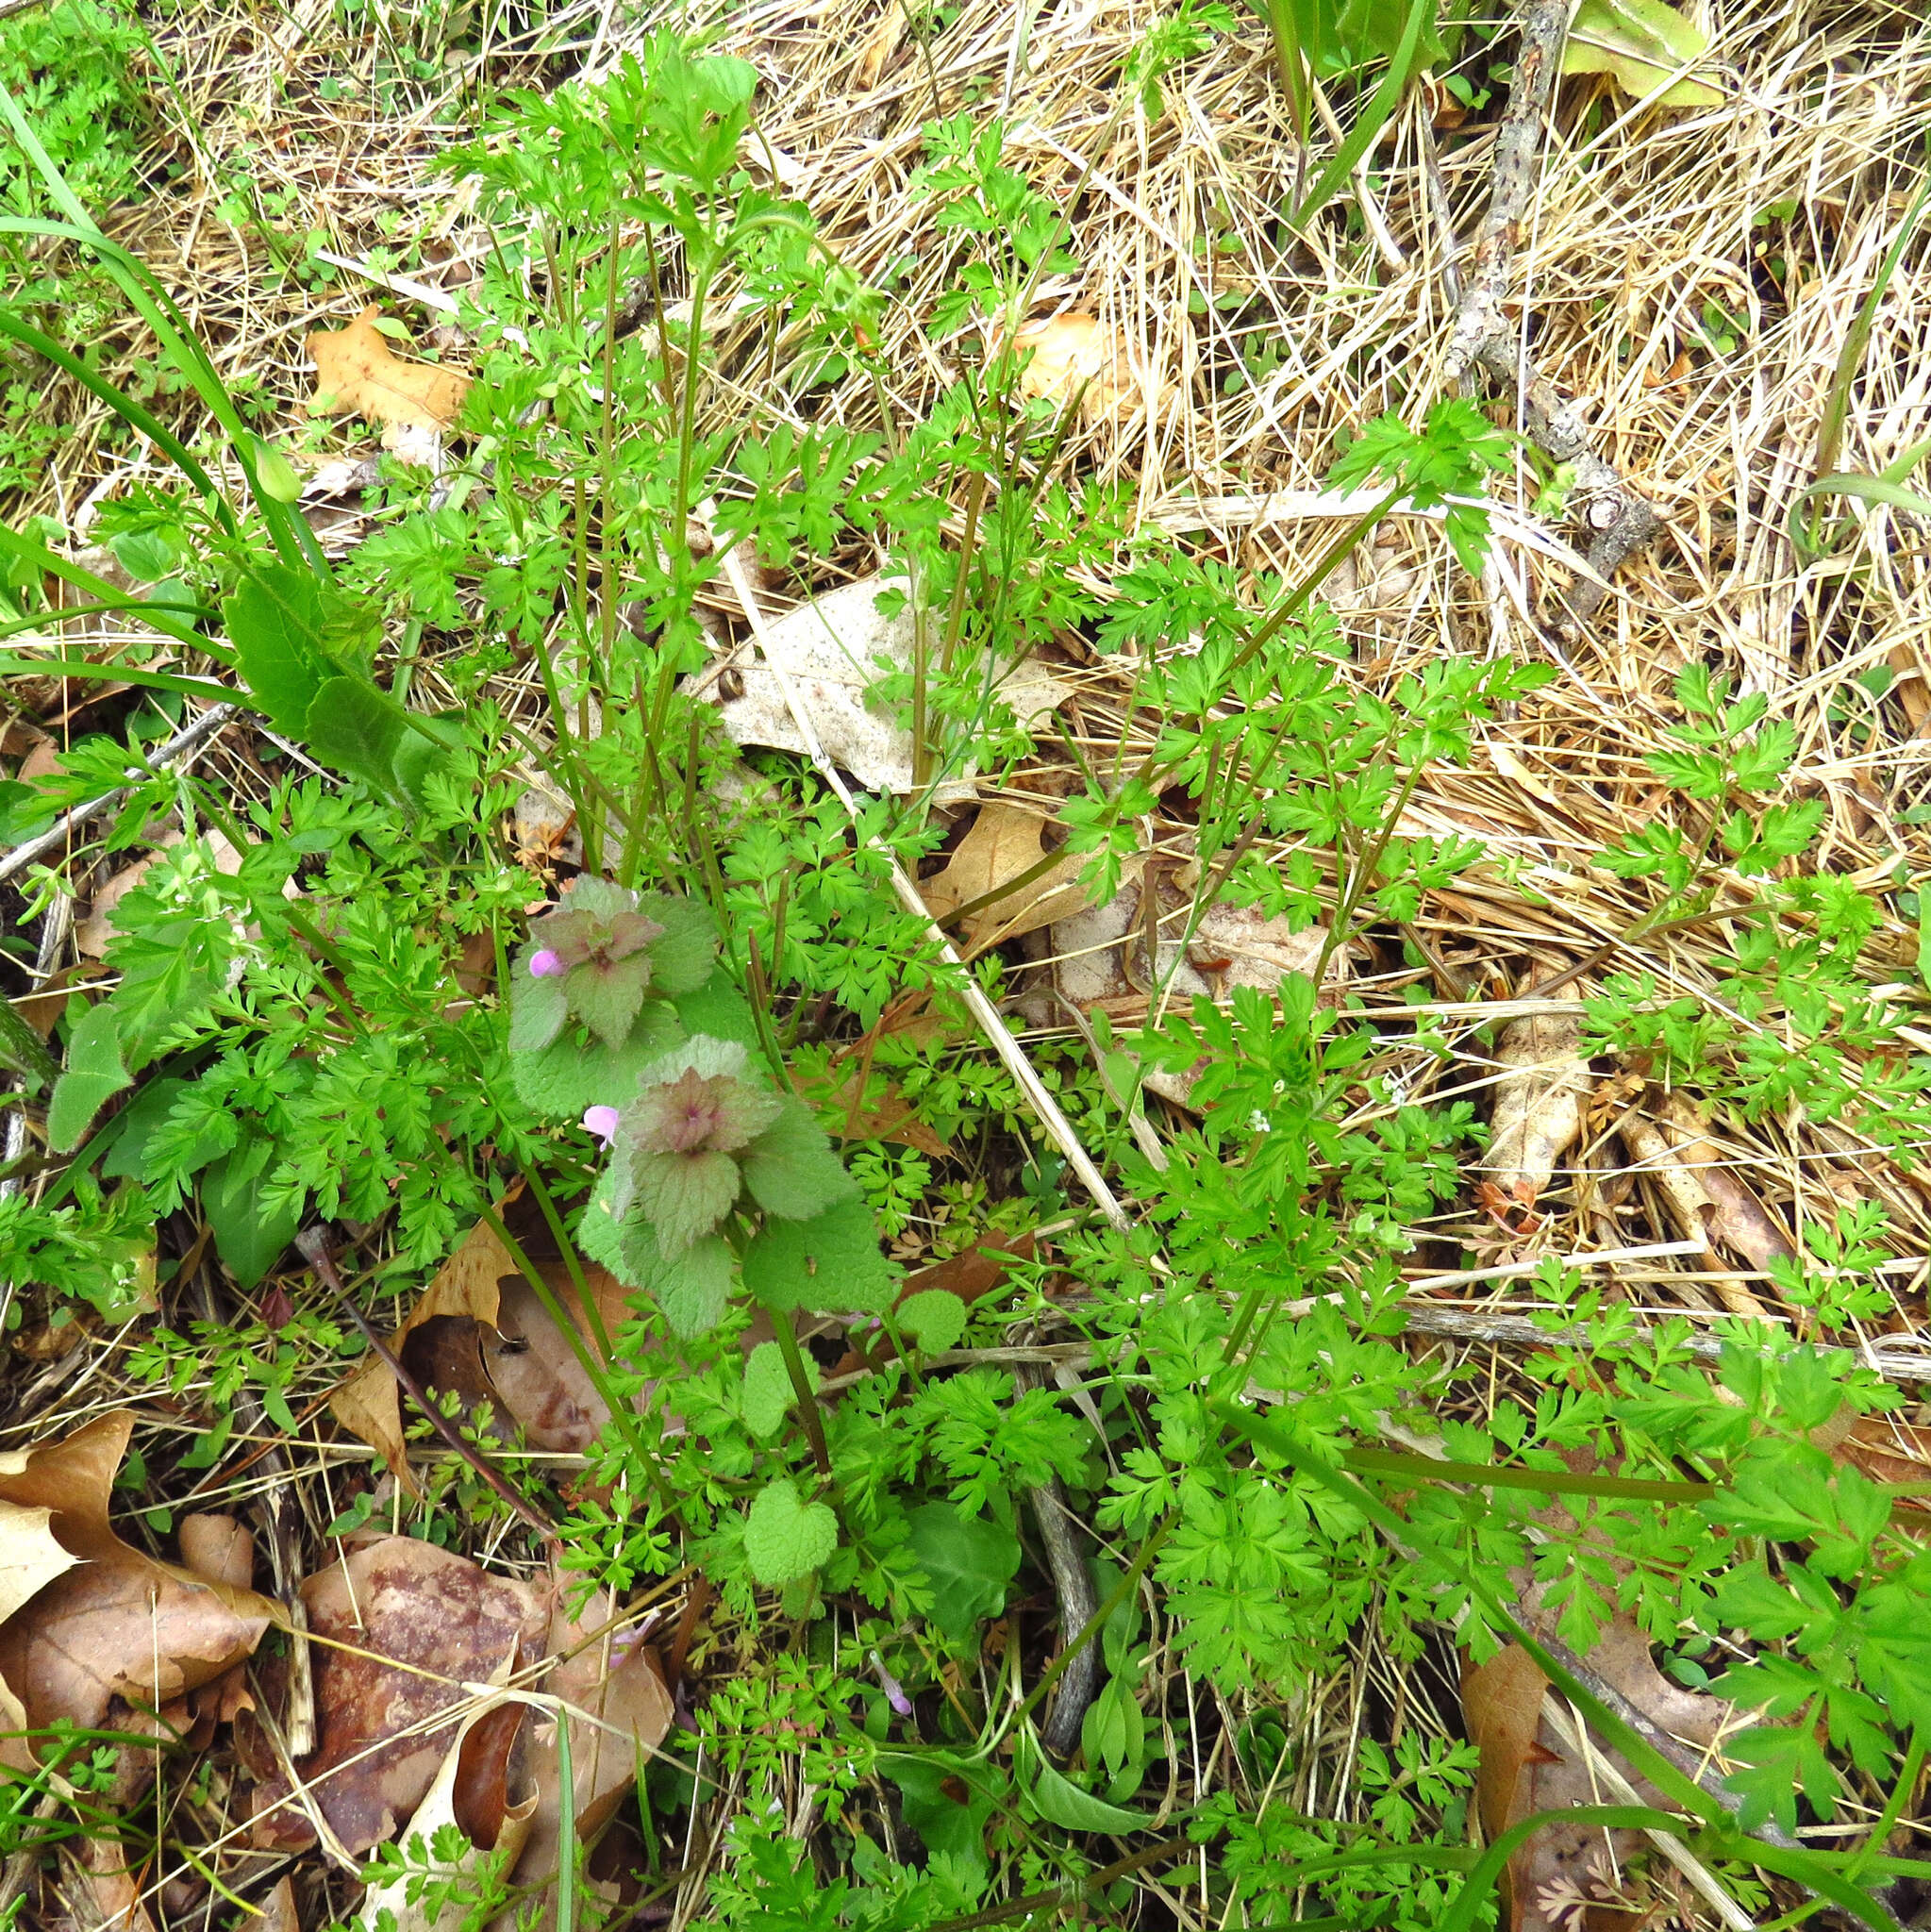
(711, 1169)
(593, 999)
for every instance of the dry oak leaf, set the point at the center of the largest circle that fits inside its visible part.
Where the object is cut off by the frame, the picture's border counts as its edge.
(356, 373)
(401, 1626)
(474, 1758)
(1537, 1105)
(1005, 844)
(118, 1626)
(369, 1405)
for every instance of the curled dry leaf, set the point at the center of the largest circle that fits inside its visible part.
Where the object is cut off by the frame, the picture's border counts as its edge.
(116, 1636)
(1738, 1220)
(1688, 1204)
(1538, 1109)
(471, 1781)
(829, 649)
(401, 1626)
(1003, 844)
(357, 372)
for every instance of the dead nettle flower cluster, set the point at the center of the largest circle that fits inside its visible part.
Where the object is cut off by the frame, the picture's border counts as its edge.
(710, 1168)
(600, 955)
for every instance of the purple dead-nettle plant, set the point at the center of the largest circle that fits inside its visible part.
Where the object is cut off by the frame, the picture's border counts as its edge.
(600, 955)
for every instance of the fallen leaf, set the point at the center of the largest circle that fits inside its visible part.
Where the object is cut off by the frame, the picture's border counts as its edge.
(30, 1558)
(1075, 354)
(92, 934)
(538, 1378)
(611, 1678)
(828, 648)
(881, 43)
(1640, 44)
(368, 1404)
(1005, 843)
(1688, 1204)
(1538, 1107)
(400, 1626)
(433, 1893)
(889, 1117)
(1889, 1451)
(119, 1635)
(1738, 1220)
(356, 373)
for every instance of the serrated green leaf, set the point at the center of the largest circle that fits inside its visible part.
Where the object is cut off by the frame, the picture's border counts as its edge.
(95, 1073)
(681, 960)
(274, 621)
(249, 1238)
(559, 1081)
(718, 1008)
(1640, 44)
(681, 1195)
(358, 729)
(693, 1288)
(791, 1169)
(538, 1007)
(830, 1263)
(608, 999)
(785, 1536)
(969, 1561)
(934, 1318)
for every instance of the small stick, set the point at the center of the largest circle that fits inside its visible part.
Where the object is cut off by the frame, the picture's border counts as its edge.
(1073, 1584)
(178, 749)
(314, 1249)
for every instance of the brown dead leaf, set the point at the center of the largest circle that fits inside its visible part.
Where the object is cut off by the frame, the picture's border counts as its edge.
(1688, 1204)
(978, 1270)
(404, 1902)
(367, 1405)
(889, 1117)
(1077, 354)
(357, 373)
(1889, 1451)
(1738, 1220)
(401, 1626)
(1538, 1106)
(1003, 844)
(92, 934)
(881, 43)
(615, 1680)
(120, 1635)
(538, 1379)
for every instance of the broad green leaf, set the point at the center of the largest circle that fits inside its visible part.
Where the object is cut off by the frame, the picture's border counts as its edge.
(274, 621)
(830, 1263)
(768, 1391)
(128, 1156)
(684, 1195)
(929, 1784)
(934, 1318)
(718, 1008)
(608, 999)
(427, 743)
(249, 1238)
(785, 1536)
(358, 729)
(559, 1081)
(538, 1007)
(1640, 44)
(681, 960)
(693, 1288)
(95, 1072)
(1061, 1801)
(970, 1561)
(790, 1168)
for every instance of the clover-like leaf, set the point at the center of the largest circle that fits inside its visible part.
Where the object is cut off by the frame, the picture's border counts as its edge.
(934, 1318)
(790, 1168)
(785, 1536)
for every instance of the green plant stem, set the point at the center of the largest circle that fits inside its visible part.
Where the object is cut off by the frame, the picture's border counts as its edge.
(786, 1334)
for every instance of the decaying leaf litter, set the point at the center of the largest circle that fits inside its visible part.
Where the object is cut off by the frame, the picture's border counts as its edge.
(1179, 275)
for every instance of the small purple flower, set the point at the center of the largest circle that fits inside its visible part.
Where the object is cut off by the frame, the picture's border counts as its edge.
(602, 1122)
(894, 1691)
(544, 964)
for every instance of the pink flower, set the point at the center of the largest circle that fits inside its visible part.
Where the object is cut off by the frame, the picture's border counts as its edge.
(544, 964)
(602, 1122)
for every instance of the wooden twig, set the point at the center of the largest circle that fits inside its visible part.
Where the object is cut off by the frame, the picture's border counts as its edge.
(1072, 1585)
(1620, 521)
